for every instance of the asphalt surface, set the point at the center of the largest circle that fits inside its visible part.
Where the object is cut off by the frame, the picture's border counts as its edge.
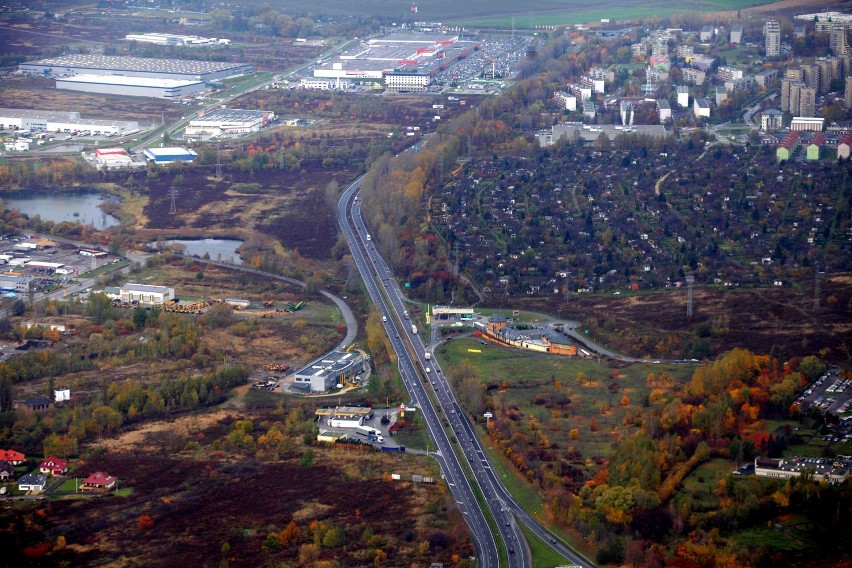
(451, 468)
(507, 512)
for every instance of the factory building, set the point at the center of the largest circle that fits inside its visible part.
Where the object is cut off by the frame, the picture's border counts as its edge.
(169, 155)
(228, 122)
(177, 69)
(113, 158)
(51, 121)
(131, 86)
(338, 367)
(176, 40)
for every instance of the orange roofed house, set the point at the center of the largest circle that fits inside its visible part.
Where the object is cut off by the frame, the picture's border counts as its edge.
(13, 457)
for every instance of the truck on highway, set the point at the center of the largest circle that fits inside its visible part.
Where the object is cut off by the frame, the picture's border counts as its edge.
(372, 434)
(413, 328)
(427, 356)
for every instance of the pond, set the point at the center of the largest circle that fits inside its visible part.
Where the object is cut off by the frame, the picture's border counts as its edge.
(72, 207)
(224, 250)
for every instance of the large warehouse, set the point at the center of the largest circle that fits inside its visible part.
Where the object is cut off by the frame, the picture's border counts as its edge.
(336, 368)
(169, 155)
(54, 121)
(228, 122)
(178, 69)
(406, 62)
(131, 86)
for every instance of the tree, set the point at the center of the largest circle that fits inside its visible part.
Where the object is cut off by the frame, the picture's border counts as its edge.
(581, 378)
(811, 367)
(307, 459)
(145, 522)
(19, 307)
(99, 308)
(63, 445)
(6, 398)
(115, 246)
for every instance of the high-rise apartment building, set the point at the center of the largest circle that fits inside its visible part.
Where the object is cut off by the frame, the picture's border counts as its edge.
(848, 92)
(838, 39)
(807, 102)
(772, 33)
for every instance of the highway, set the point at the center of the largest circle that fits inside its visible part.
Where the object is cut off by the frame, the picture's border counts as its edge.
(507, 512)
(451, 468)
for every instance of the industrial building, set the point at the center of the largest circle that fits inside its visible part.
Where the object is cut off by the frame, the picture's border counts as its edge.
(405, 62)
(145, 294)
(228, 122)
(51, 121)
(113, 158)
(830, 470)
(177, 69)
(176, 40)
(591, 132)
(131, 86)
(335, 368)
(169, 155)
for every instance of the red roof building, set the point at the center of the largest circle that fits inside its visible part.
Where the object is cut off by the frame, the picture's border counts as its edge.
(53, 466)
(98, 481)
(13, 457)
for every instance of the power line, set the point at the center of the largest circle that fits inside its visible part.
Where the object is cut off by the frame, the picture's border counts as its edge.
(173, 194)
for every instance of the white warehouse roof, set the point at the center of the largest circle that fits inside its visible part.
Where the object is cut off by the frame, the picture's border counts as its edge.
(128, 81)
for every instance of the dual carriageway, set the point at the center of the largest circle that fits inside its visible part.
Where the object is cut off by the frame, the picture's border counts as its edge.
(411, 353)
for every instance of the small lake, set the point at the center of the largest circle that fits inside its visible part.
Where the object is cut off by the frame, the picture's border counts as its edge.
(224, 250)
(72, 207)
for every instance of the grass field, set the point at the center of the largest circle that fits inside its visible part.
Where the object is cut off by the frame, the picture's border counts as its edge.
(542, 555)
(527, 14)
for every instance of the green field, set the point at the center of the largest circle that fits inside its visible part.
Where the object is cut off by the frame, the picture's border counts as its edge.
(542, 555)
(527, 14)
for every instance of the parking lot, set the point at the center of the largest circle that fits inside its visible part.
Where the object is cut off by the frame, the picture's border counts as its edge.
(48, 262)
(830, 393)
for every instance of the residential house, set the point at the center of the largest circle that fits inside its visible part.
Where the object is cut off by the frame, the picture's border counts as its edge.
(52, 465)
(7, 471)
(98, 481)
(787, 147)
(814, 146)
(34, 482)
(34, 404)
(842, 148)
(13, 457)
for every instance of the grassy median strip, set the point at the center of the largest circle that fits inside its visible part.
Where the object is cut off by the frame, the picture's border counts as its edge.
(542, 555)
(474, 484)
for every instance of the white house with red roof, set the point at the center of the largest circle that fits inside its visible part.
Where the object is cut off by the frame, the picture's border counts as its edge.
(53, 466)
(98, 481)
